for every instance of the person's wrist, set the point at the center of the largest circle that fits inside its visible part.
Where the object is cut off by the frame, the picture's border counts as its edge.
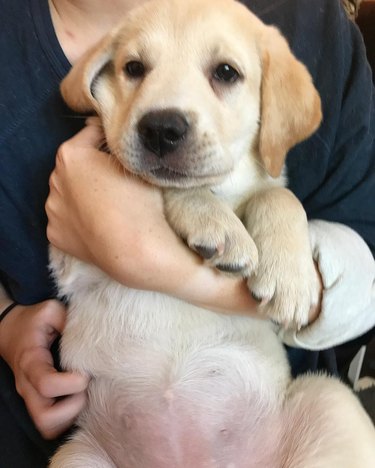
(208, 288)
(4, 301)
(5, 310)
(7, 332)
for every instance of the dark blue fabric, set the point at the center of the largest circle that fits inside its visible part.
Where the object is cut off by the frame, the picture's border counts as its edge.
(33, 122)
(333, 173)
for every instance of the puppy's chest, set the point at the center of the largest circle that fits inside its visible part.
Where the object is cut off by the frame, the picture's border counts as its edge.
(247, 178)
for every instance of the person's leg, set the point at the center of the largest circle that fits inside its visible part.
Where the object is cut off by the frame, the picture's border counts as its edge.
(81, 451)
(325, 425)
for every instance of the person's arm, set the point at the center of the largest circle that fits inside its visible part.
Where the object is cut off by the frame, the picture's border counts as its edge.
(103, 216)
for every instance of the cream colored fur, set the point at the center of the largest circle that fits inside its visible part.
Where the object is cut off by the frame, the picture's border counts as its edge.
(174, 385)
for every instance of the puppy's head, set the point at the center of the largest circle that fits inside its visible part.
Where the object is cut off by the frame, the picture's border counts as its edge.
(187, 89)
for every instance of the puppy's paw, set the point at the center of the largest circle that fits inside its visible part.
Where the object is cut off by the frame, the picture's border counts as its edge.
(225, 244)
(286, 286)
(286, 283)
(212, 229)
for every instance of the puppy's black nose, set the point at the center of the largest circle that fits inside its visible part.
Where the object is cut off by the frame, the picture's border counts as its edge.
(162, 131)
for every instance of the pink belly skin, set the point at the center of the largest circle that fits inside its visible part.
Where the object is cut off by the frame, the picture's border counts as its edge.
(186, 427)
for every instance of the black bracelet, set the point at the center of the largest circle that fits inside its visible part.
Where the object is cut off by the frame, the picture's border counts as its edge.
(6, 311)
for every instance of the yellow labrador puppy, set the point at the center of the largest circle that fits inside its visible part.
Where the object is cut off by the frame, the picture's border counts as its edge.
(202, 99)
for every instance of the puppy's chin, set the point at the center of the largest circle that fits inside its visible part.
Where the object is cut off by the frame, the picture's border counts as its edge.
(170, 178)
(186, 167)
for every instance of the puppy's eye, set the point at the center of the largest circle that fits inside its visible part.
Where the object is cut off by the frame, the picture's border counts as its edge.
(226, 73)
(134, 69)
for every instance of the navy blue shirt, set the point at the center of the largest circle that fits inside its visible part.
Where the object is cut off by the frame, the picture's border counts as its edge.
(332, 173)
(33, 122)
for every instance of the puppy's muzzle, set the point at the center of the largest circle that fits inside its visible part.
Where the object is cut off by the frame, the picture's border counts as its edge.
(162, 132)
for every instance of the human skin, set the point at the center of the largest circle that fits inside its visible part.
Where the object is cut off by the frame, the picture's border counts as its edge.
(79, 24)
(26, 335)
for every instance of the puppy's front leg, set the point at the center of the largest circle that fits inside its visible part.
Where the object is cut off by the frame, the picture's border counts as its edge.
(286, 280)
(211, 228)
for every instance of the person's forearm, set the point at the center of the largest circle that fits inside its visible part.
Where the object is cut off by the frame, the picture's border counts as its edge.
(101, 215)
(143, 262)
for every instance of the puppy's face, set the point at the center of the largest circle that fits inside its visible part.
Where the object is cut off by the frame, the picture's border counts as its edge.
(178, 86)
(188, 95)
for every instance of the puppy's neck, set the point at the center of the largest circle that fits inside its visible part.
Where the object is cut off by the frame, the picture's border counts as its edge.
(246, 178)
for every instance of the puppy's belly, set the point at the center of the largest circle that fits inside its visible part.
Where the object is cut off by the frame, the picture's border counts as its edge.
(206, 411)
(173, 385)
(108, 323)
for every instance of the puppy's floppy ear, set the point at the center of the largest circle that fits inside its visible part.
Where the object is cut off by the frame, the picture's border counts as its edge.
(78, 86)
(290, 104)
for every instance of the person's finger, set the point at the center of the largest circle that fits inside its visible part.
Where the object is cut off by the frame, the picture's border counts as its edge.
(53, 317)
(53, 417)
(52, 384)
(47, 381)
(63, 414)
(90, 136)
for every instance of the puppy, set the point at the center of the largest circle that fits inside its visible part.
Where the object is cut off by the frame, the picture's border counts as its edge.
(203, 100)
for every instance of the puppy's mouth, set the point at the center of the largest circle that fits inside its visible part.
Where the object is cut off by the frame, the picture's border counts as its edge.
(166, 173)
(164, 176)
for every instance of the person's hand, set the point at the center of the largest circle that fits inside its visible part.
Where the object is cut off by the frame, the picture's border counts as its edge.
(102, 215)
(53, 399)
